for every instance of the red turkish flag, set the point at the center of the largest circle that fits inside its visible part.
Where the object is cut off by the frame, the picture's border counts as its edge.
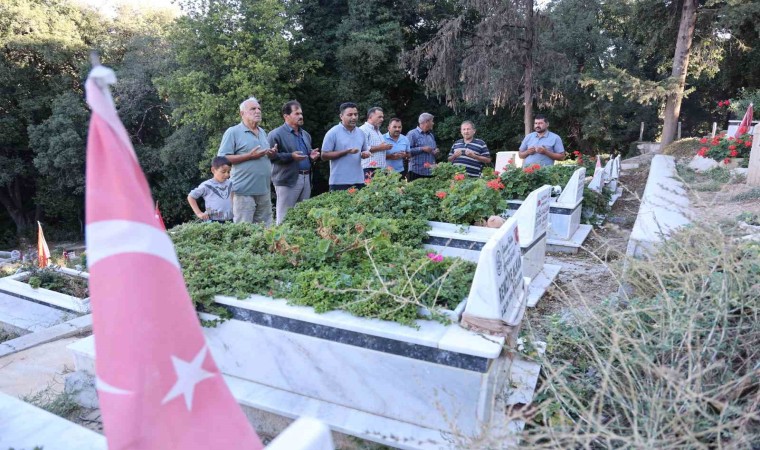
(159, 387)
(746, 122)
(43, 252)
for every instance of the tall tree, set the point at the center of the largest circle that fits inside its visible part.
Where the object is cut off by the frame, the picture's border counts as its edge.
(680, 69)
(486, 56)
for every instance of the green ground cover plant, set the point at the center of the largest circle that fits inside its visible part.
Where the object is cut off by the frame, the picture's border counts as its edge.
(51, 279)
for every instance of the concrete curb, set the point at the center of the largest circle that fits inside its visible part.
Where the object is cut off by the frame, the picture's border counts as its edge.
(73, 327)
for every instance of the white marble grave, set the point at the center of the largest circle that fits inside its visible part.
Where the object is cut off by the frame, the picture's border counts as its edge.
(15, 285)
(428, 387)
(566, 234)
(664, 207)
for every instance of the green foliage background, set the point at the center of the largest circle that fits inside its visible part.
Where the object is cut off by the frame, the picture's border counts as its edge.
(182, 77)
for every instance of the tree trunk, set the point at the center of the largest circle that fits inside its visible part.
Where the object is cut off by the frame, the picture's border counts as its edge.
(680, 67)
(12, 204)
(530, 43)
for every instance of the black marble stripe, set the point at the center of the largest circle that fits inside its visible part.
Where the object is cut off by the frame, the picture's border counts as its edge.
(525, 250)
(455, 243)
(552, 209)
(363, 340)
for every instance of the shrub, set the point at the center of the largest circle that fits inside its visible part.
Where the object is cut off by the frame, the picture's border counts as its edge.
(673, 365)
(722, 147)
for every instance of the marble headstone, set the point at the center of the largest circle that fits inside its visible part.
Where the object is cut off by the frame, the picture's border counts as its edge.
(597, 182)
(533, 215)
(503, 158)
(573, 192)
(497, 290)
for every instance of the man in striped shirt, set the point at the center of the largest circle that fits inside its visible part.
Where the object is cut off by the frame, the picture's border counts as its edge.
(377, 145)
(469, 152)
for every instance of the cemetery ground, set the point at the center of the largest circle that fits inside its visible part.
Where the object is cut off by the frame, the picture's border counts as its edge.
(613, 373)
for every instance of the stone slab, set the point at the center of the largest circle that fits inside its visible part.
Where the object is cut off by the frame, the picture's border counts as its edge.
(571, 245)
(541, 283)
(664, 207)
(36, 369)
(70, 328)
(23, 426)
(22, 316)
(305, 433)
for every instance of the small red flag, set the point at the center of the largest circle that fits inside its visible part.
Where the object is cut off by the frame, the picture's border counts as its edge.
(746, 122)
(43, 252)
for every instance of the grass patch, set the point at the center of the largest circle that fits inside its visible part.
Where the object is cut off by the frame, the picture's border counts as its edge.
(673, 364)
(61, 404)
(709, 186)
(752, 194)
(53, 280)
(6, 335)
(684, 147)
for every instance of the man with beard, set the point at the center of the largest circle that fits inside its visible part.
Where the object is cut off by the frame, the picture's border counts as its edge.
(345, 146)
(541, 147)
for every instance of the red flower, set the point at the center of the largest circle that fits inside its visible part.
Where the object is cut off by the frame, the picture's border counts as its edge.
(496, 185)
(576, 153)
(715, 143)
(536, 166)
(496, 172)
(727, 161)
(373, 164)
(511, 161)
(703, 140)
(748, 143)
(734, 153)
(731, 138)
(459, 177)
(352, 190)
(427, 165)
(739, 141)
(727, 103)
(440, 194)
(368, 181)
(720, 104)
(528, 170)
(702, 152)
(732, 147)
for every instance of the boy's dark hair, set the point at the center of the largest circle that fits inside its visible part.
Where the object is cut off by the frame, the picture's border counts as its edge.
(345, 106)
(220, 161)
(288, 107)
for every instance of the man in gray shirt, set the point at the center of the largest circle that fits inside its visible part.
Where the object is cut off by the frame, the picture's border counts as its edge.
(541, 147)
(245, 145)
(293, 162)
(345, 146)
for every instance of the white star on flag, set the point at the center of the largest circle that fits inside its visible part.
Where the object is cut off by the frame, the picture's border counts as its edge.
(188, 375)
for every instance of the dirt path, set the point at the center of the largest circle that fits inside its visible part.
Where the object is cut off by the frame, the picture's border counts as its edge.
(588, 277)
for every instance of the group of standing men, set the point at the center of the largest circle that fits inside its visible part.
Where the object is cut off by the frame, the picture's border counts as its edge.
(285, 157)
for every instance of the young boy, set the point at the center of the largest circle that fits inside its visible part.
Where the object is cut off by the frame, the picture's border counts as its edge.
(216, 193)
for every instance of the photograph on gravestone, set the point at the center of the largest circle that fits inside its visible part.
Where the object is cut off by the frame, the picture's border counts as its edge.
(497, 295)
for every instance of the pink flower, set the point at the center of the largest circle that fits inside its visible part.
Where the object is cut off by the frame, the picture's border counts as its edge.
(703, 140)
(511, 161)
(727, 161)
(459, 177)
(435, 257)
(732, 147)
(352, 190)
(440, 194)
(748, 143)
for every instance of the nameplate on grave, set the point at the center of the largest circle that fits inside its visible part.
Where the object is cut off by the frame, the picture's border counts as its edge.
(497, 294)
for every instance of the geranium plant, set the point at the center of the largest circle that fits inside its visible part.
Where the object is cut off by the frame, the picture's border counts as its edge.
(723, 148)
